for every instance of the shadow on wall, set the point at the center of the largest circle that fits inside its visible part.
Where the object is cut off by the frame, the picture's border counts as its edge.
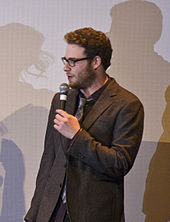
(13, 194)
(20, 49)
(23, 117)
(26, 132)
(156, 203)
(136, 27)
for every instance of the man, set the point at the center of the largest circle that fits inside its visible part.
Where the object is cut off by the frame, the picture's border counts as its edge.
(87, 159)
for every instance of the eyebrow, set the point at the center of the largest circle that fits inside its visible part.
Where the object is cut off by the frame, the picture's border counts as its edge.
(72, 58)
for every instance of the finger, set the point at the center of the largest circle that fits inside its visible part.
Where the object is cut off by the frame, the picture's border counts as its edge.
(59, 117)
(56, 126)
(62, 113)
(57, 122)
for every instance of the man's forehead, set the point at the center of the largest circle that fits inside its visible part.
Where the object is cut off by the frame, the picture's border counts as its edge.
(74, 51)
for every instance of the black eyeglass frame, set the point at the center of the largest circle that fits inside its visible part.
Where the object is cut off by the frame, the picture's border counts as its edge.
(71, 61)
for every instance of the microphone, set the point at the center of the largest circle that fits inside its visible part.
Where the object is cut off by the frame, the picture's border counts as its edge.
(63, 95)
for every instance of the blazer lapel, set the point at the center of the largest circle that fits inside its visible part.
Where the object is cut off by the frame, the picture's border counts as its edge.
(103, 102)
(71, 101)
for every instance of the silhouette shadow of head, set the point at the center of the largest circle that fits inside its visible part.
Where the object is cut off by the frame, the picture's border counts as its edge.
(21, 48)
(134, 24)
(136, 27)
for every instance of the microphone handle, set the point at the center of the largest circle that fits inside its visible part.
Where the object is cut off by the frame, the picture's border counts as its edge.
(62, 104)
(63, 99)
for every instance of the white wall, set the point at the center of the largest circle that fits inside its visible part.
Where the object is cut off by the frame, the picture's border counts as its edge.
(31, 42)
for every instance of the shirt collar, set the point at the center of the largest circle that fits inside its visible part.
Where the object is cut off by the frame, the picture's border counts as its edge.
(97, 93)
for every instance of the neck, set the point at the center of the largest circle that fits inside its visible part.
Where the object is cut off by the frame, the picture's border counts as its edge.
(97, 85)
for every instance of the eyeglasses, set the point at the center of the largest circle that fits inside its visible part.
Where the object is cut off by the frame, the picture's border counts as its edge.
(71, 61)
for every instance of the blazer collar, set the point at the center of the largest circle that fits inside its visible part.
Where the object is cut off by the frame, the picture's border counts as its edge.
(103, 102)
(108, 92)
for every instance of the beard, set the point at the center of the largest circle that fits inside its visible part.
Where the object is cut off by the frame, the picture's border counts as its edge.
(84, 79)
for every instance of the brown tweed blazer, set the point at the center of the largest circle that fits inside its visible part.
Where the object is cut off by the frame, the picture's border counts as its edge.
(95, 160)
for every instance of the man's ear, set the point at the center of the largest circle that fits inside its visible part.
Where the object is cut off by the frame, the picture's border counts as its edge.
(97, 61)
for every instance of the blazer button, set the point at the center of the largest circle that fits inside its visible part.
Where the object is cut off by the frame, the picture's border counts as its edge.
(81, 156)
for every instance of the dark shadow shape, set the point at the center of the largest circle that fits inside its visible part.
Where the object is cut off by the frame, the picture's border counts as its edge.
(156, 202)
(13, 208)
(20, 49)
(22, 125)
(136, 27)
(26, 127)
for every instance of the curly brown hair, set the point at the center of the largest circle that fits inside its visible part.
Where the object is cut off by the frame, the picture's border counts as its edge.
(95, 43)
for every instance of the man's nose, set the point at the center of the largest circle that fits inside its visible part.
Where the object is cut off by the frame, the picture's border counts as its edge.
(66, 67)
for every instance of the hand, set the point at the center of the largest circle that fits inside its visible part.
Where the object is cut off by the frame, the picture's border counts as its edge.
(66, 124)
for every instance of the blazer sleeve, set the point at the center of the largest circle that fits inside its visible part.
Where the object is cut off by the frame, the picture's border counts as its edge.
(117, 158)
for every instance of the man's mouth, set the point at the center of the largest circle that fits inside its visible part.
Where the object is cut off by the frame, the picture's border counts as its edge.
(69, 77)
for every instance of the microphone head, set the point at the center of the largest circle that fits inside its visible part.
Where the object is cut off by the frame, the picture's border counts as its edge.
(64, 88)
(63, 95)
